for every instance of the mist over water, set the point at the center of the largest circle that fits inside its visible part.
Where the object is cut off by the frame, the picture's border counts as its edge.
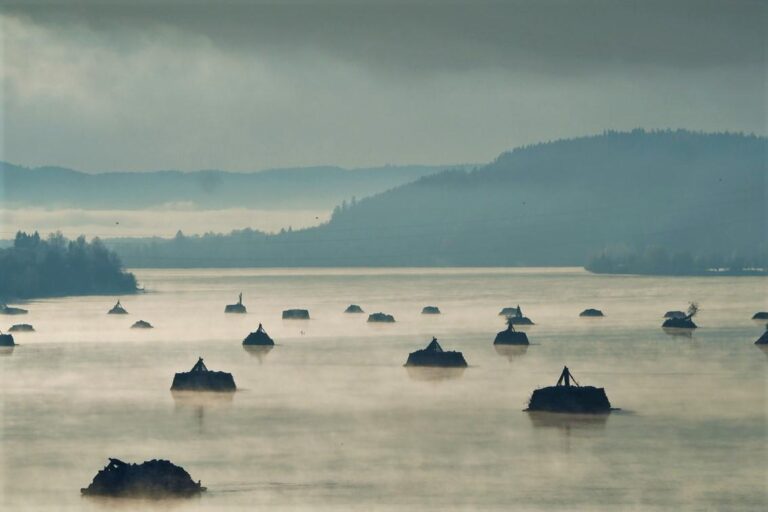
(329, 419)
(162, 222)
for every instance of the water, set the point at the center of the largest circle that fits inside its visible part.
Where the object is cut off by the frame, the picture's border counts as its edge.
(330, 420)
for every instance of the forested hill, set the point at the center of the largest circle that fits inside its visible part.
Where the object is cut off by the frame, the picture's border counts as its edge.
(550, 204)
(53, 267)
(302, 188)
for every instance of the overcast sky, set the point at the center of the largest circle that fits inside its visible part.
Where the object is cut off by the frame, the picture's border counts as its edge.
(132, 85)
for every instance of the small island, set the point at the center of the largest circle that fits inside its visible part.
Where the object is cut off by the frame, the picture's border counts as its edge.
(200, 378)
(21, 328)
(354, 308)
(760, 315)
(674, 314)
(381, 318)
(141, 324)
(434, 355)
(6, 340)
(591, 313)
(58, 267)
(10, 310)
(517, 317)
(117, 309)
(236, 308)
(258, 337)
(510, 336)
(296, 314)
(686, 322)
(430, 310)
(151, 479)
(566, 397)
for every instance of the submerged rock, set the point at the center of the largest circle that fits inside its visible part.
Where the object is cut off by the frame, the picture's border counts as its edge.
(430, 310)
(6, 340)
(117, 309)
(591, 313)
(296, 314)
(200, 378)
(568, 398)
(763, 340)
(354, 308)
(141, 324)
(674, 314)
(760, 315)
(381, 317)
(510, 336)
(258, 337)
(434, 355)
(21, 328)
(150, 479)
(236, 308)
(10, 310)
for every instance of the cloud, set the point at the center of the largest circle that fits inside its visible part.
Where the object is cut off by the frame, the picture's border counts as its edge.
(103, 85)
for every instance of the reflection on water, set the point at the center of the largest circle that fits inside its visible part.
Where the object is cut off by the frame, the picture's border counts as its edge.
(200, 403)
(6, 351)
(331, 420)
(567, 422)
(511, 352)
(260, 352)
(679, 332)
(433, 374)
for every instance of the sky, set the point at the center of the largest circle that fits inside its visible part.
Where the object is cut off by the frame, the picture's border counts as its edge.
(117, 85)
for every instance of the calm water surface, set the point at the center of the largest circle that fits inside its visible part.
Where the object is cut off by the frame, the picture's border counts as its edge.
(330, 420)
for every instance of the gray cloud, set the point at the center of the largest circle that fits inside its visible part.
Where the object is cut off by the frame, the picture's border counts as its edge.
(110, 84)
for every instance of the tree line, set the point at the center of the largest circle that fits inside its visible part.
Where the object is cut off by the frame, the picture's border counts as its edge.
(56, 266)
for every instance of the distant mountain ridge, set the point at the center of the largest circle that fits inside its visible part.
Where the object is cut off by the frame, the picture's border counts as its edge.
(291, 188)
(556, 203)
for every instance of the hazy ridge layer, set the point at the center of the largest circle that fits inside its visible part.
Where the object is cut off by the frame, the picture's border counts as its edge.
(301, 188)
(555, 203)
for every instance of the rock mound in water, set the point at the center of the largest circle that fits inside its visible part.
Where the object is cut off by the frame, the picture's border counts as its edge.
(674, 314)
(6, 340)
(517, 317)
(381, 317)
(763, 340)
(430, 310)
(510, 336)
(258, 337)
(354, 308)
(10, 310)
(141, 324)
(591, 313)
(117, 309)
(679, 323)
(200, 378)
(434, 355)
(508, 312)
(150, 479)
(236, 308)
(296, 314)
(569, 398)
(21, 328)
(685, 322)
(760, 315)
